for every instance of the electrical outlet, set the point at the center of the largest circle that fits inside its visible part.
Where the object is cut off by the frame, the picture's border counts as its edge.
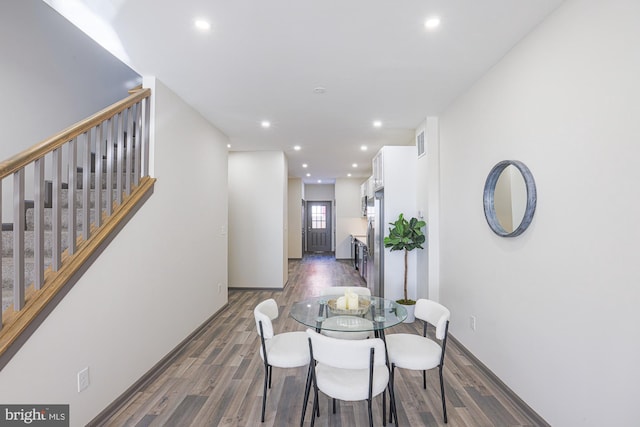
(83, 379)
(472, 322)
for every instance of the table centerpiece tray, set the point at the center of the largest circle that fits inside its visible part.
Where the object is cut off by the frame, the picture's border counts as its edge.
(364, 305)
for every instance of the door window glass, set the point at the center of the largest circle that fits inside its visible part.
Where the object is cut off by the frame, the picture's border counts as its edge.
(318, 217)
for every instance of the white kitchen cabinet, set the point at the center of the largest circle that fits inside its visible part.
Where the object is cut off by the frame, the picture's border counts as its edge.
(363, 199)
(378, 170)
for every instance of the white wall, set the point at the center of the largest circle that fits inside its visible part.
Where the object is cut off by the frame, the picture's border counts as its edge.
(294, 202)
(320, 192)
(346, 215)
(349, 219)
(257, 206)
(284, 236)
(557, 307)
(422, 205)
(52, 76)
(428, 204)
(400, 190)
(152, 286)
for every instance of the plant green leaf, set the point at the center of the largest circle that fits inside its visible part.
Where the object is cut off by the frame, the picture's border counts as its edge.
(405, 235)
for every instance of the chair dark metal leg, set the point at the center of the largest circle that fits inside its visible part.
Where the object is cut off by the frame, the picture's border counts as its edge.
(393, 410)
(370, 413)
(444, 404)
(316, 404)
(307, 389)
(270, 372)
(391, 396)
(424, 379)
(313, 413)
(334, 406)
(311, 376)
(264, 391)
(384, 407)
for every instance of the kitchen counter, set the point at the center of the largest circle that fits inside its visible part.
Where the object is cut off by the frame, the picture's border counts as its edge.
(360, 237)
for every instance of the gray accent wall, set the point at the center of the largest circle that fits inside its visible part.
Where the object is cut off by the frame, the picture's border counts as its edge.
(52, 75)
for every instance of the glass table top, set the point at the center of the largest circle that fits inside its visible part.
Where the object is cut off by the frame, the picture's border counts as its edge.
(373, 313)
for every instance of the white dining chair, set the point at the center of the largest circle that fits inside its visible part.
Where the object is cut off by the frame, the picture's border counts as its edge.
(284, 350)
(420, 353)
(349, 370)
(363, 328)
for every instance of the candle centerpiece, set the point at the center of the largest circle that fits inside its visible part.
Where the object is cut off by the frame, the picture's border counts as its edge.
(349, 303)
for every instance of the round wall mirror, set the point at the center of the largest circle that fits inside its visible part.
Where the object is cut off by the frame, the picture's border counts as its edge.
(509, 198)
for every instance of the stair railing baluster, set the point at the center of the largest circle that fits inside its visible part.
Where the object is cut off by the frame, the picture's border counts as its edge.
(72, 176)
(18, 239)
(38, 223)
(144, 138)
(56, 212)
(128, 157)
(86, 186)
(97, 194)
(119, 156)
(136, 142)
(110, 154)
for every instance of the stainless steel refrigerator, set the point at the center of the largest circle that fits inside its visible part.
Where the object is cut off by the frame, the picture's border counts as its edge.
(375, 244)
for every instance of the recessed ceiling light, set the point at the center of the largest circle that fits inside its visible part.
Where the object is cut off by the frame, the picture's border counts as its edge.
(377, 124)
(297, 147)
(308, 174)
(319, 181)
(265, 124)
(432, 23)
(363, 148)
(228, 145)
(319, 90)
(304, 165)
(202, 25)
(355, 165)
(349, 175)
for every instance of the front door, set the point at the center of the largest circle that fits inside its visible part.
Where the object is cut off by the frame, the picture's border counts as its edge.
(318, 226)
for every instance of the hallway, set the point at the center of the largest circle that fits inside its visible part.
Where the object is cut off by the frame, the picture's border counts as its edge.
(216, 379)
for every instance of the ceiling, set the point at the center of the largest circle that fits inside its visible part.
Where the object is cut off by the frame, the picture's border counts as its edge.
(264, 60)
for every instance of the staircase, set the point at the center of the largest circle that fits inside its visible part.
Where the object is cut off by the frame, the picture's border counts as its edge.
(74, 215)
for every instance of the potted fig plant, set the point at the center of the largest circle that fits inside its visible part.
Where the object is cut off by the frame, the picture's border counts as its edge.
(406, 236)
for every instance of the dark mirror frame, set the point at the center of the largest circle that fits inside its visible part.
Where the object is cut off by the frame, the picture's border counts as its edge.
(489, 202)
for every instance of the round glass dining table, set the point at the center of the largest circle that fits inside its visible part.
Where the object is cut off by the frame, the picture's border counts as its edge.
(374, 314)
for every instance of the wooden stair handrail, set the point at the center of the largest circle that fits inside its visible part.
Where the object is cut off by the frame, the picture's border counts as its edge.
(31, 154)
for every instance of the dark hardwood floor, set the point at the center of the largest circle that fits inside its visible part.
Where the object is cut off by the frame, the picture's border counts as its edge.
(216, 379)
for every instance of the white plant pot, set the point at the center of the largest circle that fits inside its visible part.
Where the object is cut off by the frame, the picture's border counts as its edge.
(411, 310)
